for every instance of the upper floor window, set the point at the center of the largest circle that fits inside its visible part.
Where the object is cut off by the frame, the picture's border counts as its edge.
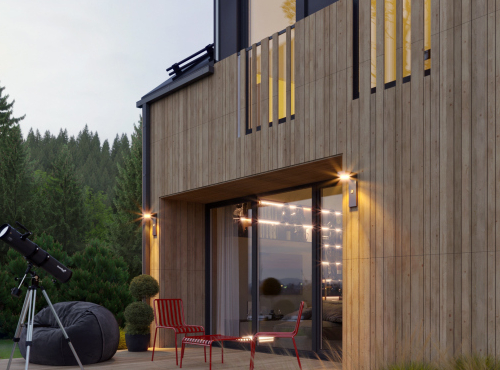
(269, 16)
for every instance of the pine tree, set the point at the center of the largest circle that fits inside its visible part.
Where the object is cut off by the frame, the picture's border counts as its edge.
(17, 185)
(98, 214)
(6, 115)
(126, 232)
(99, 276)
(15, 176)
(66, 212)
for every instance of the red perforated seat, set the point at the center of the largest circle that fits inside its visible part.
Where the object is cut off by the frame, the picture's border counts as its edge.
(169, 314)
(278, 335)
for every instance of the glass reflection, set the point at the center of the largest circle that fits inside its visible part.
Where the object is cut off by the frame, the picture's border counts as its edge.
(269, 16)
(331, 267)
(285, 265)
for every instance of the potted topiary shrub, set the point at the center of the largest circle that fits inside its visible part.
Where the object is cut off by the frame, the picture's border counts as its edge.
(139, 315)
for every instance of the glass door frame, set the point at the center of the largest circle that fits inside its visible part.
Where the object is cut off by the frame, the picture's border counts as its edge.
(316, 254)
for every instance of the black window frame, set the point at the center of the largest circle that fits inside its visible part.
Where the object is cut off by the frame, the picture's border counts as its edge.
(316, 270)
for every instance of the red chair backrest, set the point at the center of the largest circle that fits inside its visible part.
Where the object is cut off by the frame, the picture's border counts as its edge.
(169, 312)
(298, 318)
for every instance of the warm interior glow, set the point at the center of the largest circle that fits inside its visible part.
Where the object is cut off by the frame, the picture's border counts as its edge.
(390, 41)
(373, 43)
(406, 38)
(427, 32)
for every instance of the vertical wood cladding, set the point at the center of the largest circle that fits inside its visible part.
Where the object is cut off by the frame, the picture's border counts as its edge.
(423, 247)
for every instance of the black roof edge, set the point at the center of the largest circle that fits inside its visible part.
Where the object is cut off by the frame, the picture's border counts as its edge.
(173, 86)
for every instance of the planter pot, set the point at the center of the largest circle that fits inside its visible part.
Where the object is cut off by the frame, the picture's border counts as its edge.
(137, 342)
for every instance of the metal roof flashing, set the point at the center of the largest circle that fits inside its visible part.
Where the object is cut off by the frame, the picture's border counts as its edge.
(170, 86)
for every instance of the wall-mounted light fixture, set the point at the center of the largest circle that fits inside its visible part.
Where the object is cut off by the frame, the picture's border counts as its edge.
(352, 182)
(154, 220)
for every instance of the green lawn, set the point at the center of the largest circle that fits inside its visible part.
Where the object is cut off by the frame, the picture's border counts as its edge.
(6, 347)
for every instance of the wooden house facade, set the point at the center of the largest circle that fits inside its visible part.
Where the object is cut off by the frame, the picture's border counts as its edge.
(419, 251)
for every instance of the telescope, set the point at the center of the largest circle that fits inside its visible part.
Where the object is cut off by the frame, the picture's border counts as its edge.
(33, 253)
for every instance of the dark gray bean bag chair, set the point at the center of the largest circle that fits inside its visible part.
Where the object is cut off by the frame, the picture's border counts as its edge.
(93, 330)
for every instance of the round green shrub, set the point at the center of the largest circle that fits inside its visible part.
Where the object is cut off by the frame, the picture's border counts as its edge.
(144, 286)
(139, 314)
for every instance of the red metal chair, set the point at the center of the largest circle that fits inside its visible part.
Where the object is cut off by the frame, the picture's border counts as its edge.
(169, 314)
(278, 335)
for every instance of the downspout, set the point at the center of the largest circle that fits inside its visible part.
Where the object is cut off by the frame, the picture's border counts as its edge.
(146, 203)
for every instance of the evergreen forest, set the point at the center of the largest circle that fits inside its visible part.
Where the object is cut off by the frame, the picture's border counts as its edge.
(81, 198)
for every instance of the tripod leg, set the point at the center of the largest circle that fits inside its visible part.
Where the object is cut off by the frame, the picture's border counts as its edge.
(62, 328)
(29, 331)
(17, 335)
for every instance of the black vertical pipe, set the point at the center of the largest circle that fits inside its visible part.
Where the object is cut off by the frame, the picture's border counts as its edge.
(243, 25)
(355, 51)
(316, 269)
(146, 169)
(255, 268)
(208, 272)
(300, 10)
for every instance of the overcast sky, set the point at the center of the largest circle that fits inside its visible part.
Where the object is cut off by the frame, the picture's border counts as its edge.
(68, 63)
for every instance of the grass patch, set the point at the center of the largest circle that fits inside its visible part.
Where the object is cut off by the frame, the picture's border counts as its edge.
(470, 362)
(122, 344)
(6, 348)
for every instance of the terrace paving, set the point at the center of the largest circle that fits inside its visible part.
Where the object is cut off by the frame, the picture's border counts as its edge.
(193, 359)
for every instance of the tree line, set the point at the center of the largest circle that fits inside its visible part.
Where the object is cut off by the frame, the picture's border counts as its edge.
(80, 198)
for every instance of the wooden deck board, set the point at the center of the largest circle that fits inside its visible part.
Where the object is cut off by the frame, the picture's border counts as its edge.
(193, 359)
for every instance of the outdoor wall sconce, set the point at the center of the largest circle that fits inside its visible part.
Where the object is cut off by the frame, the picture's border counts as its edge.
(154, 220)
(352, 182)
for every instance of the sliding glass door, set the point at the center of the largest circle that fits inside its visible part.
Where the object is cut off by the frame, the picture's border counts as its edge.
(271, 253)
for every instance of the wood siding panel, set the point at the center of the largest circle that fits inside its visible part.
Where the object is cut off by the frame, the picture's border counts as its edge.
(421, 249)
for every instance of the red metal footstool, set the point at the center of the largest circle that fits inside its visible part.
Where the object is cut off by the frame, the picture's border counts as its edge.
(207, 341)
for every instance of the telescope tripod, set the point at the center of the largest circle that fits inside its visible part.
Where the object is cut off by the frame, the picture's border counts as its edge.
(29, 309)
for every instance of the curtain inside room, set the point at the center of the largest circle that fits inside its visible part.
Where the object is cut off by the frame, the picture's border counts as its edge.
(227, 302)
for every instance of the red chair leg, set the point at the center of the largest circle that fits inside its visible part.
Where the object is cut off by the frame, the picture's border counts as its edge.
(205, 348)
(176, 361)
(182, 352)
(252, 353)
(154, 343)
(210, 356)
(222, 348)
(297, 353)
